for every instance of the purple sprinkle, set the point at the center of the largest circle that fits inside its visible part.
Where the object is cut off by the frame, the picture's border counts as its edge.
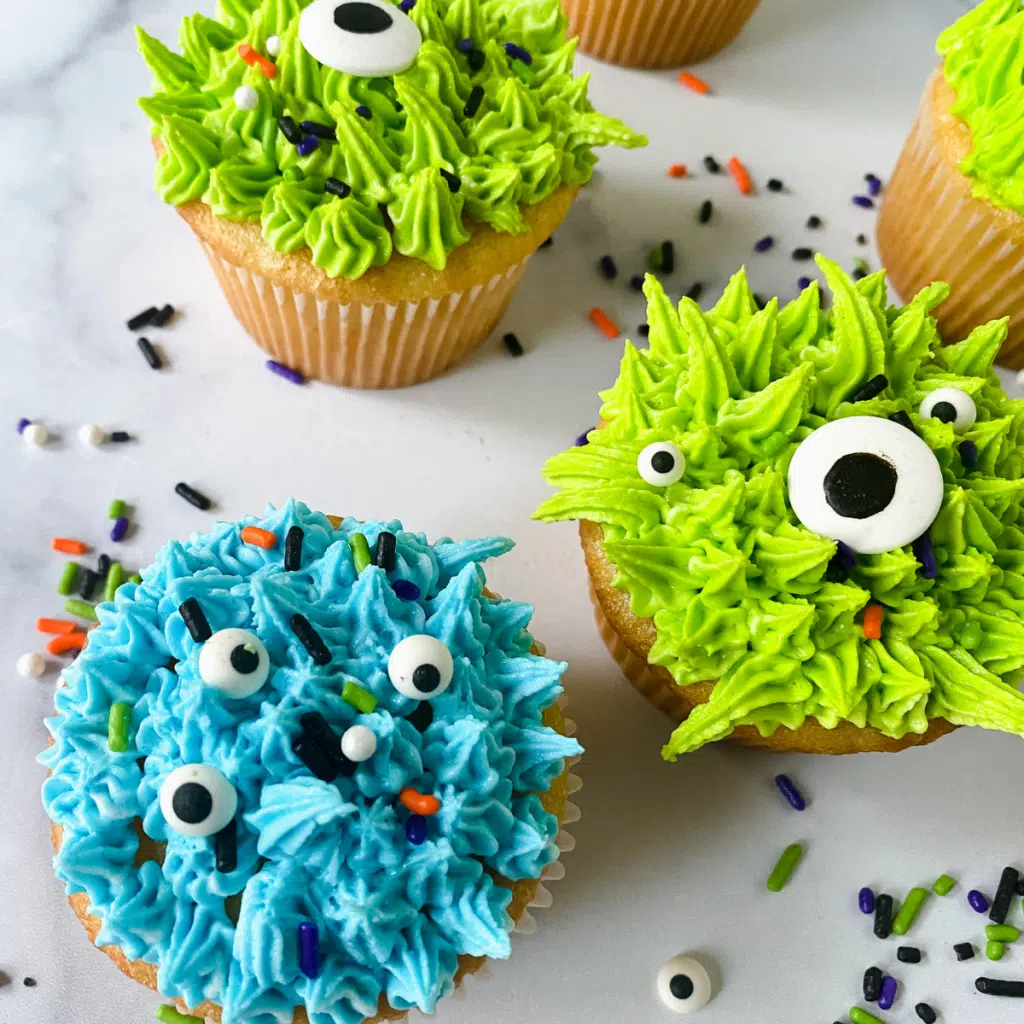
(865, 202)
(968, 454)
(764, 244)
(22, 424)
(790, 792)
(285, 371)
(364, 112)
(845, 556)
(888, 996)
(874, 184)
(119, 529)
(406, 6)
(977, 901)
(924, 552)
(310, 144)
(608, 268)
(636, 282)
(406, 590)
(465, 46)
(416, 829)
(518, 53)
(803, 282)
(309, 949)
(582, 441)
(866, 900)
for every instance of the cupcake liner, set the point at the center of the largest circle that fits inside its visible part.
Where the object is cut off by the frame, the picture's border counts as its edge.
(656, 33)
(364, 345)
(931, 228)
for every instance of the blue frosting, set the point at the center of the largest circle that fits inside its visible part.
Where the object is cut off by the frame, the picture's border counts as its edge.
(393, 918)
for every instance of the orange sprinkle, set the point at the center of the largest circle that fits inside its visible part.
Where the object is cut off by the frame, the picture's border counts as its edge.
(66, 642)
(247, 53)
(693, 82)
(68, 546)
(419, 803)
(873, 616)
(260, 538)
(55, 626)
(604, 323)
(267, 66)
(677, 171)
(741, 176)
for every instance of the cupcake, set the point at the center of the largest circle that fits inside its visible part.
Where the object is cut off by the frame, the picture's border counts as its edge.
(656, 33)
(308, 770)
(953, 209)
(368, 180)
(803, 529)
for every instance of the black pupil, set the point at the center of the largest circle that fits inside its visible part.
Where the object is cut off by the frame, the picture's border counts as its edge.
(426, 678)
(663, 462)
(244, 660)
(192, 803)
(362, 19)
(681, 986)
(944, 411)
(860, 485)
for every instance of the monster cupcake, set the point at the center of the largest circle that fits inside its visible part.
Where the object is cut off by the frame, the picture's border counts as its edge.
(803, 530)
(308, 770)
(953, 209)
(368, 180)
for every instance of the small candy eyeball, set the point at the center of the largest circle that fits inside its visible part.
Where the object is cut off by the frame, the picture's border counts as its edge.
(368, 38)
(951, 405)
(273, 46)
(661, 464)
(246, 98)
(684, 985)
(196, 800)
(35, 434)
(358, 743)
(865, 481)
(235, 662)
(92, 435)
(421, 667)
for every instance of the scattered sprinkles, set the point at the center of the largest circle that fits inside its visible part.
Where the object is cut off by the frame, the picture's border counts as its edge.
(814, 222)
(119, 722)
(803, 253)
(289, 129)
(864, 202)
(636, 282)
(246, 98)
(943, 885)
(883, 916)
(309, 145)
(712, 166)
(793, 795)
(406, 590)
(119, 529)
(67, 642)
(1004, 894)
(764, 244)
(476, 97)
(775, 185)
(908, 912)
(908, 955)
(321, 131)
(926, 1013)
(35, 434)
(694, 83)
(193, 497)
(419, 803)
(608, 268)
(604, 323)
(978, 901)
(358, 697)
(741, 176)
(285, 371)
(517, 52)
(69, 546)
(888, 993)
(150, 354)
(67, 579)
(968, 453)
(677, 171)
(259, 538)
(784, 867)
(143, 319)
(859, 1016)
(706, 212)
(872, 984)
(995, 987)
(964, 951)
(866, 901)
(874, 184)
(293, 548)
(512, 343)
(360, 548)
(83, 610)
(310, 638)
(309, 949)
(924, 552)
(416, 829)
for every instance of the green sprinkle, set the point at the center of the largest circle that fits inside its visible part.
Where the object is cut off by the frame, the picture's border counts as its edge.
(527, 74)
(67, 579)
(995, 951)
(360, 698)
(943, 885)
(116, 510)
(136, 579)
(785, 866)
(859, 1016)
(654, 260)
(169, 1015)
(908, 912)
(861, 264)
(1002, 933)
(115, 577)
(360, 551)
(119, 723)
(82, 609)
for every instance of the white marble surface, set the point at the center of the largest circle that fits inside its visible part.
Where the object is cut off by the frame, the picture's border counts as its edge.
(669, 858)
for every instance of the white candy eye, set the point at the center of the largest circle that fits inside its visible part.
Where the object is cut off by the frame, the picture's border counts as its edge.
(234, 661)
(369, 38)
(866, 481)
(684, 985)
(951, 405)
(421, 667)
(358, 743)
(196, 800)
(661, 464)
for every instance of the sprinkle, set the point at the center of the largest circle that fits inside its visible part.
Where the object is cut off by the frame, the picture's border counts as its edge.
(636, 282)
(87, 584)
(759, 300)
(164, 316)
(406, 590)
(904, 420)
(31, 665)
(600, 319)
(22, 424)
(668, 258)
(295, 376)
(608, 268)
(259, 538)
(790, 792)
(583, 439)
(252, 58)
(802, 253)
(803, 282)
(677, 171)
(964, 951)
(943, 885)
(419, 803)
(994, 950)
(321, 131)
(193, 497)
(364, 112)
(309, 949)
(421, 716)
(872, 984)
(874, 184)
(1020, 887)
(337, 188)
(359, 697)
(512, 343)
(1004, 894)
(860, 268)
(978, 901)
(1002, 933)
(764, 244)
(273, 46)
(518, 53)
(246, 98)
(862, 239)
(416, 829)
(310, 638)
(476, 97)
(384, 551)
(225, 848)
(968, 453)
(120, 436)
(784, 867)
(406, 6)
(694, 83)
(315, 758)
(117, 509)
(293, 548)
(712, 166)
(845, 556)
(908, 955)
(866, 901)
(247, 53)
(695, 291)
(775, 185)
(169, 1015)
(874, 614)
(119, 722)
(55, 626)
(115, 577)
(465, 46)
(924, 552)
(883, 916)
(150, 353)
(316, 729)
(119, 529)
(67, 642)
(814, 221)
(741, 176)
(871, 389)
(136, 579)
(92, 435)
(926, 1013)
(888, 994)
(192, 614)
(289, 129)
(30, 983)
(143, 319)
(915, 898)
(67, 579)
(476, 60)
(995, 987)
(706, 211)
(864, 202)
(360, 548)
(35, 434)
(859, 1016)
(309, 145)
(68, 546)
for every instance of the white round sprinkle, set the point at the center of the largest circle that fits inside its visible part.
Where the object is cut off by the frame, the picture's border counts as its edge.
(92, 435)
(31, 666)
(358, 743)
(246, 98)
(36, 434)
(273, 46)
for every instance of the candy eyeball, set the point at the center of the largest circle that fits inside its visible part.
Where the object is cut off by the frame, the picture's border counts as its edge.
(684, 985)
(196, 800)
(865, 481)
(661, 464)
(358, 743)
(368, 38)
(235, 662)
(951, 405)
(421, 667)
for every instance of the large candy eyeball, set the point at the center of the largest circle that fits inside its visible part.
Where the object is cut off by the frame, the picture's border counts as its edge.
(866, 481)
(421, 667)
(196, 800)
(369, 38)
(951, 405)
(235, 662)
(684, 985)
(661, 464)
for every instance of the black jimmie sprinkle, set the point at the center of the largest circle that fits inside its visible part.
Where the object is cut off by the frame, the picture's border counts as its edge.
(883, 916)
(164, 316)
(1004, 894)
(707, 210)
(314, 757)
(453, 180)
(384, 552)
(695, 291)
(814, 222)
(712, 166)
(290, 130)
(293, 548)
(996, 987)
(120, 436)
(337, 188)
(904, 420)
(193, 497)
(194, 617)
(908, 955)
(872, 984)
(668, 257)
(321, 131)
(143, 319)
(606, 264)
(87, 583)
(315, 726)
(775, 185)
(513, 344)
(871, 389)
(803, 253)
(421, 716)
(310, 639)
(964, 951)
(150, 354)
(476, 97)
(926, 1013)
(225, 848)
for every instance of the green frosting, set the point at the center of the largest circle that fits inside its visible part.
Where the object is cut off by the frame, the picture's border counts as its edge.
(983, 59)
(739, 591)
(534, 130)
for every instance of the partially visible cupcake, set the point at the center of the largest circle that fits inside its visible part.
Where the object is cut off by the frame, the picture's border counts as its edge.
(308, 771)
(369, 179)
(954, 209)
(656, 33)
